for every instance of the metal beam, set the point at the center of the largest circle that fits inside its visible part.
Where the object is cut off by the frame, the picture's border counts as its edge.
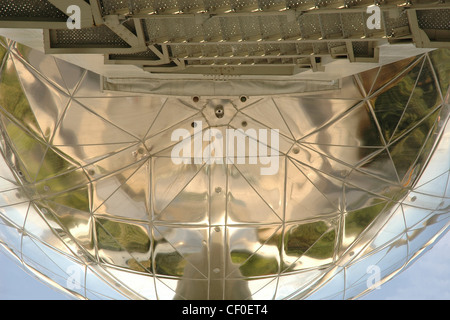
(419, 36)
(113, 23)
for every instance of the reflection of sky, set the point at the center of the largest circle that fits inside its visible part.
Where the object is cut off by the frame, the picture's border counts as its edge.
(17, 284)
(427, 278)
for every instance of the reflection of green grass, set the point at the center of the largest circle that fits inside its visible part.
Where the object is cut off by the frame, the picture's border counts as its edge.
(13, 99)
(116, 236)
(2, 51)
(324, 247)
(43, 164)
(76, 199)
(171, 264)
(254, 265)
(315, 240)
(37, 161)
(119, 236)
(28, 149)
(72, 180)
(53, 164)
(301, 238)
(358, 220)
(142, 266)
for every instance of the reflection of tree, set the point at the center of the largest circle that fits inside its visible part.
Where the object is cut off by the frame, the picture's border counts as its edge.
(424, 99)
(367, 132)
(402, 107)
(390, 103)
(405, 151)
(441, 63)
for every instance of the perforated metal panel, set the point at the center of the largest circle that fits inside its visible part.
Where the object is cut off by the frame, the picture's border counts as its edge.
(436, 24)
(434, 19)
(30, 9)
(180, 35)
(95, 36)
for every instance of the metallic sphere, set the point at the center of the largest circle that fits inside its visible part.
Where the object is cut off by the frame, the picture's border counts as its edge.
(92, 201)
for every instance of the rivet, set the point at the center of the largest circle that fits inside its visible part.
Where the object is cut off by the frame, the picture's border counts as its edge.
(220, 112)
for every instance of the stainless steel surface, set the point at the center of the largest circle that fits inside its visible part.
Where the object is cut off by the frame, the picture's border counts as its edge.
(91, 202)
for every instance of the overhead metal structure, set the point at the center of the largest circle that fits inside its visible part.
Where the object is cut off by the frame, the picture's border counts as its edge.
(234, 37)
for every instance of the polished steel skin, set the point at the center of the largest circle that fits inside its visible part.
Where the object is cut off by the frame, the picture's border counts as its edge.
(92, 203)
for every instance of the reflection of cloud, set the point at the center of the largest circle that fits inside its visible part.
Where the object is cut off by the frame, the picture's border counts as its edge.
(426, 279)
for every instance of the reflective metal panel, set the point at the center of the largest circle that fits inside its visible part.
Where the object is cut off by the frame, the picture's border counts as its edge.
(93, 201)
